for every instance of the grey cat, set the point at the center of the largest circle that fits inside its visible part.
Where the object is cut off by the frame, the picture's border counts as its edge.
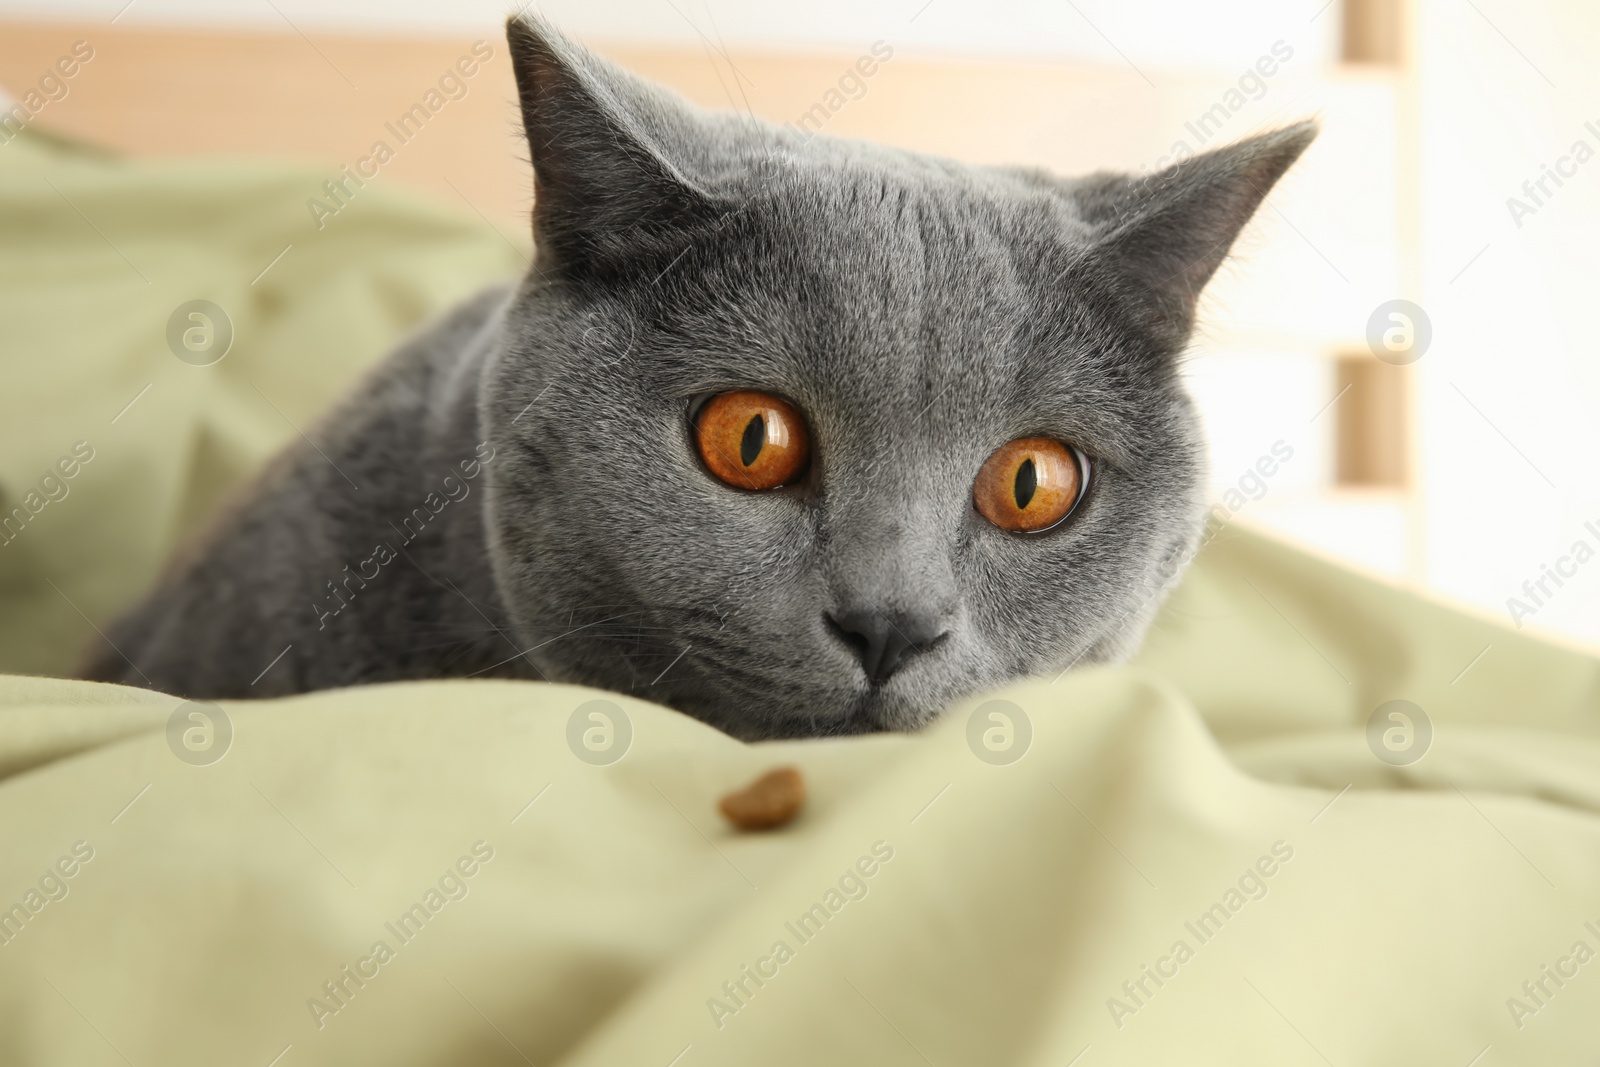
(897, 356)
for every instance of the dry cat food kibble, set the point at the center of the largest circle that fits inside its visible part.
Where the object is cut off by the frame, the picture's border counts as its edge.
(768, 802)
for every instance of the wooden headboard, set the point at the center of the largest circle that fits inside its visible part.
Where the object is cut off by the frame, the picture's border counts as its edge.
(328, 98)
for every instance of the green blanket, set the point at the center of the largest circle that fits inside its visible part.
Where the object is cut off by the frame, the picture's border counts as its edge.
(1208, 856)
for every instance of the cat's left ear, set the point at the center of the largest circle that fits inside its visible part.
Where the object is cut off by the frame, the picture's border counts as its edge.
(1162, 236)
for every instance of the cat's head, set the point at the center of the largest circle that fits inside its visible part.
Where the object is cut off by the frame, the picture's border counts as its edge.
(806, 436)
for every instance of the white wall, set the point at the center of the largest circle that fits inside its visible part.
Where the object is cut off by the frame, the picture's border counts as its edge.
(1511, 397)
(1224, 33)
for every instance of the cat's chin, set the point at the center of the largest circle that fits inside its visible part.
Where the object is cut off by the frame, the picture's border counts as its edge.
(870, 711)
(865, 712)
(889, 712)
(792, 724)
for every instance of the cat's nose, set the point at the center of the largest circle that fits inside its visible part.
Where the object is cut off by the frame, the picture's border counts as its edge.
(885, 640)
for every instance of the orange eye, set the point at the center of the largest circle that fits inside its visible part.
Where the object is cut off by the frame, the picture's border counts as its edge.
(752, 440)
(1029, 485)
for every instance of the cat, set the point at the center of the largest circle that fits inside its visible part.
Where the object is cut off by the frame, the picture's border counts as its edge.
(798, 435)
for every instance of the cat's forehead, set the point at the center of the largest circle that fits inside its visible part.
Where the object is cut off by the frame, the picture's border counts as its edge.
(936, 256)
(902, 312)
(923, 220)
(894, 269)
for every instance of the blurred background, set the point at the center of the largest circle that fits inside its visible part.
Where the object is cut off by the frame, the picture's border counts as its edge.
(1443, 440)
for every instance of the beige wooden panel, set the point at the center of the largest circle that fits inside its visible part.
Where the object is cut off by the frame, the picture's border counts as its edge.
(328, 98)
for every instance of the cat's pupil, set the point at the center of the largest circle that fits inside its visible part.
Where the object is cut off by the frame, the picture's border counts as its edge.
(755, 435)
(1027, 481)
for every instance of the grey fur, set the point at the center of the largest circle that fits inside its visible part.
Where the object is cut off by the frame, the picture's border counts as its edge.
(920, 312)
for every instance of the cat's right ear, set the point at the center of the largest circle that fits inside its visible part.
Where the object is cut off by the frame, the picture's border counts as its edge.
(602, 143)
